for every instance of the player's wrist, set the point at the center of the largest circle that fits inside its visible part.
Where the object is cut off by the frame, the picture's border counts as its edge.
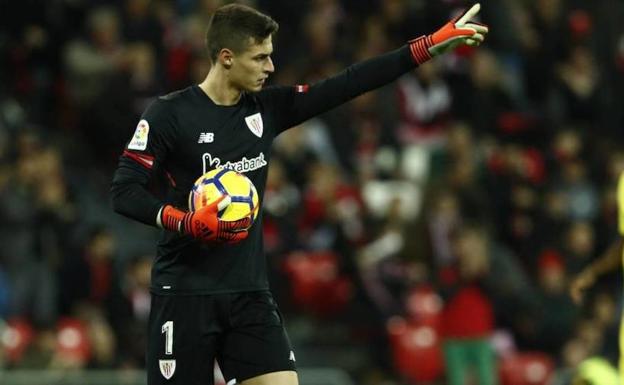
(419, 48)
(173, 219)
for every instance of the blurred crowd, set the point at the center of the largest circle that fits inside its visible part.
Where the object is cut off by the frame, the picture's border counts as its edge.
(423, 233)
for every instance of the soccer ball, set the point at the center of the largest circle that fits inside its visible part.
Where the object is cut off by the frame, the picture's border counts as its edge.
(215, 183)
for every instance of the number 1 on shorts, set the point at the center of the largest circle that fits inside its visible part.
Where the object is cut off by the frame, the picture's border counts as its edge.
(167, 328)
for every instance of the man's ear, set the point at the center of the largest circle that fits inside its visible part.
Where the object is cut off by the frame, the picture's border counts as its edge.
(226, 58)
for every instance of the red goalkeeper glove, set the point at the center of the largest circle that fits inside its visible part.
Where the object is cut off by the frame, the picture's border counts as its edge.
(204, 224)
(458, 31)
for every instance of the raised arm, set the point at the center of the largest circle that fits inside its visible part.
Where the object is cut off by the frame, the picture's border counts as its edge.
(303, 102)
(609, 261)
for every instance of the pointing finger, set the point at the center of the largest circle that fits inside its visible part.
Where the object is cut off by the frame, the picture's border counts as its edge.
(468, 15)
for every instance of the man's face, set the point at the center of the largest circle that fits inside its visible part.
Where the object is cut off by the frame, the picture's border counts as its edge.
(252, 67)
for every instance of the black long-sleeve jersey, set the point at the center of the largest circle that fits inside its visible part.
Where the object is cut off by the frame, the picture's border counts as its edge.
(184, 134)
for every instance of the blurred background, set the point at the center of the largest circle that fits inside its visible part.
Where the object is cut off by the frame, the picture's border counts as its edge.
(424, 233)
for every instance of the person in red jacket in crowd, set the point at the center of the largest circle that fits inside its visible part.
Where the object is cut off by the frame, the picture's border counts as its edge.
(468, 316)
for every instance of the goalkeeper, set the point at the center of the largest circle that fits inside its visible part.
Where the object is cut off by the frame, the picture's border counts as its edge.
(210, 294)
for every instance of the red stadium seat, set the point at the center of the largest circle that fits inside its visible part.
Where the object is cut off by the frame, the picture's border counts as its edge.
(15, 338)
(72, 340)
(316, 283)
(526, 368)
(416, 349)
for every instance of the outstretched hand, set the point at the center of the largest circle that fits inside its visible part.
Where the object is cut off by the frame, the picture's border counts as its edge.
(460, 30)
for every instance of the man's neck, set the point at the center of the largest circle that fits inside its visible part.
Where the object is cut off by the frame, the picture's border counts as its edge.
(219, 89)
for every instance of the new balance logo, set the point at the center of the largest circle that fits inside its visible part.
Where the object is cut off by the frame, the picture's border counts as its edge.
(292, 356)
(206, 137)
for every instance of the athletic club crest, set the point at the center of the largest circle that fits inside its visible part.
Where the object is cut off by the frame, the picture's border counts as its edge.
(167, 368)
(254, 122)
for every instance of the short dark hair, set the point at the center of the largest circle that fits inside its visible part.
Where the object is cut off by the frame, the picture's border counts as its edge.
(232, 25)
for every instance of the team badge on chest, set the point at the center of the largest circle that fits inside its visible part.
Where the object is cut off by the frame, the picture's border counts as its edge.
(254, 122)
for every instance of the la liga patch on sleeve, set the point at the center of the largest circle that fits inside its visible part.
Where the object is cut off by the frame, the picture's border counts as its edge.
(139, 139)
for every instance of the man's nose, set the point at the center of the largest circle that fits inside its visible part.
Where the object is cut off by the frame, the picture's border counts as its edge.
(269, 67)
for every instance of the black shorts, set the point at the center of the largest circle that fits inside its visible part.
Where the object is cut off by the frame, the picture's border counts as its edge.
(244, 332)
